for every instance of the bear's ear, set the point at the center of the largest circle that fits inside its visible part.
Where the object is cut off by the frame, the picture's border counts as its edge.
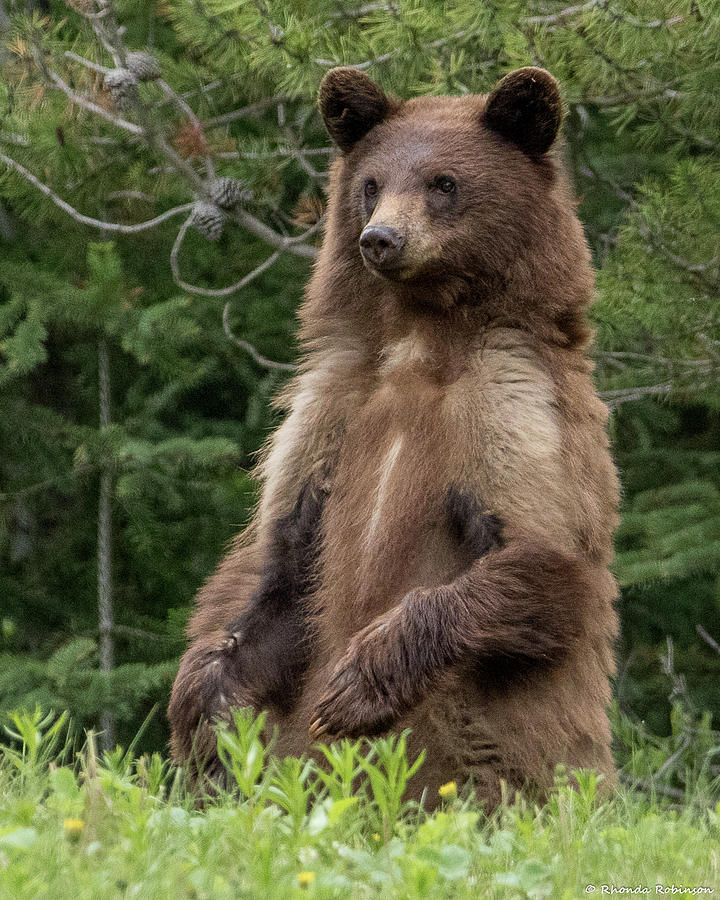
(351, 104)
(525, 107)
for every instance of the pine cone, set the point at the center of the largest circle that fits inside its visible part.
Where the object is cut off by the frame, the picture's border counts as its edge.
(123, 87)
(228, 192)
(208, 219)
(143, 66)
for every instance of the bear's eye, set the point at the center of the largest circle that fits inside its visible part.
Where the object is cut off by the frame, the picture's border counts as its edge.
(445, 184)
(371, 188)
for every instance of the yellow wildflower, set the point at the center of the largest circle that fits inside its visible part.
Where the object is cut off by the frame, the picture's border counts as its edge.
(376, 837)
(305, 878)
(73, 827)
(448, 791)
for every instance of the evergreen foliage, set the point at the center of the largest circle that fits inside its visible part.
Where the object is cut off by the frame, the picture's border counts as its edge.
(215, 124)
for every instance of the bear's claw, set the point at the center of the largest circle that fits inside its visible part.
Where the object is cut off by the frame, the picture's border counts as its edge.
(318, 729)
(352, 707)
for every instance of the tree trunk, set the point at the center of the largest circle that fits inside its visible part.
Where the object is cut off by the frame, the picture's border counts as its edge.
(104, 552)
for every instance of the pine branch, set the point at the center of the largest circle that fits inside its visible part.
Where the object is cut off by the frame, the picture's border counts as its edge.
(89, 220)
(111, 37)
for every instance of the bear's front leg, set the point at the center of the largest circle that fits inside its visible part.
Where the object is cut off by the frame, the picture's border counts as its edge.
(390, 664)
(368, 689)
(523, 606)
(269, 643)
(260, 657)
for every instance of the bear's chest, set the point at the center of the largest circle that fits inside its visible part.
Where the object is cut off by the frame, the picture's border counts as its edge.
(490, 430)
(385, 523)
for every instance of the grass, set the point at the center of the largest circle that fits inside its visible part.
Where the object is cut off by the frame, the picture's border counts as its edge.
(79, 825)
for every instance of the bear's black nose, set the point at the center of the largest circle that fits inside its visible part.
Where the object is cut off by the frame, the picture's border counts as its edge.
(381, 245)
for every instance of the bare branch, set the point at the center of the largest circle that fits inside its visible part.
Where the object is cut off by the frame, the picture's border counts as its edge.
(683, 263)
(628, 395)
(698, 139)
(698, 270)
(130, 195)
(645, 357)
(155, 140)
(203, 89)
(212, 292)
(90, 16)
(309, 169)
(365, 64)
(271, 154)
(285, 244)
(88, 220)
(652, 93)
(231, 289)
(291, 245)
(638, 23)
(589, 171)
(563, 14)
(11, 138)
(710, 641)
(248, 347)
(624, 395)
(93, 107)
(110, 42)
(87, 63)
(251, 109)
(137, 632)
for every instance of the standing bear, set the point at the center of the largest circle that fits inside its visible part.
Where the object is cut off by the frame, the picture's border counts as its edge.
(432, 542)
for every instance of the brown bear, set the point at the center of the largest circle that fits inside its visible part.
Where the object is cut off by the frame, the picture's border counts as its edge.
(432, 543)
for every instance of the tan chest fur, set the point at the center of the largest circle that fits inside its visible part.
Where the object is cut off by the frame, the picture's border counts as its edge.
(489, 425)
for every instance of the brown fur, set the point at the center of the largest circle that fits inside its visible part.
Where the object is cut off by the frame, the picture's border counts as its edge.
(457, 575)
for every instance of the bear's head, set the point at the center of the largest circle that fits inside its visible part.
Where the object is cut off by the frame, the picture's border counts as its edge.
(449, 199)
